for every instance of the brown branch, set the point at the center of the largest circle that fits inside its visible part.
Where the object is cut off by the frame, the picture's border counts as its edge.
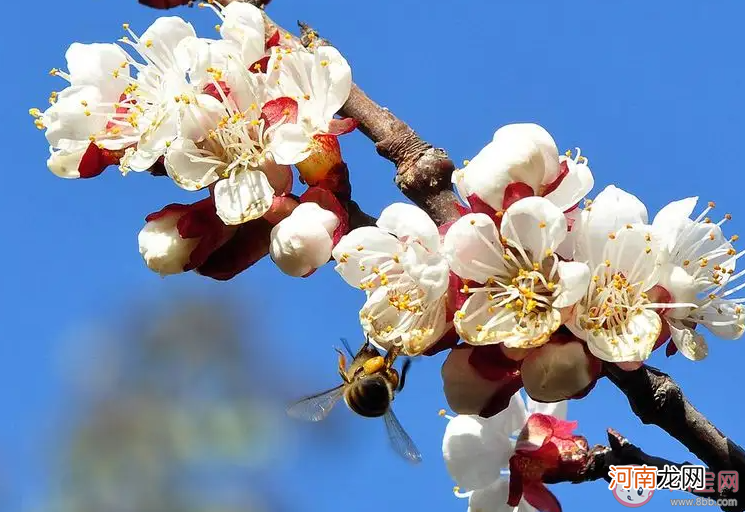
(658, 400)
(621, 452)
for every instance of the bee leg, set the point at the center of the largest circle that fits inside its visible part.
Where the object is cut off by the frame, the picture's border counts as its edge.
(342, 365)
(391, 356)
(404, 371)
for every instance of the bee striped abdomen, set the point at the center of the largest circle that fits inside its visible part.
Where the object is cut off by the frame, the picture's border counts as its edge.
(369, 396)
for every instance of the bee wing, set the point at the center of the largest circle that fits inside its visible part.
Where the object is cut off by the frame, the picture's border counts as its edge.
(400, 440)
(316, 407)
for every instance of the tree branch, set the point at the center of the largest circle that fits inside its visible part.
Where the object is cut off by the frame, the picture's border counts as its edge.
(658, 400)
(621, 452)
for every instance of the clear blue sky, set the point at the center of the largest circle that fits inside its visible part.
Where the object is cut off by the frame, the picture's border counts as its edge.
(651, 91)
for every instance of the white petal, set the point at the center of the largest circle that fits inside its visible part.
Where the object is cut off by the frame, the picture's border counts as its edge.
(369, 245)
(184, 164)
(197, 55)
(290, 144)
(634, 252)
(574, 278)
(576, 184)
(66, 162)
(162, 248)
(724, 318)
(410, 224)
(690, 343)
(94, 64)
(530, 153)
(494, 499)
(67, 118)
(160, 40)
(672, 218)
(474, 454)
(473, 249)
(430, 271)
(681, 285)
(244, 24)
(199, 118)
(332, 80)
(246, 195)
(611, 210)
(536, 225)
(486, 176)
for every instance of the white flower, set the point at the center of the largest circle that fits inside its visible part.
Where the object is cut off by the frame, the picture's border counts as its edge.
(477, 452)
(65, 163)
(302, 242)
(525, 285)
(698, 267)
(320, 82)
(616, 317)
(522, 160)
(400, 267)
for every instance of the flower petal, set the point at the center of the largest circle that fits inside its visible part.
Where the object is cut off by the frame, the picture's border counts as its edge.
(186, 165)
(494, 499)
(726, 319)
(66, 162)
(536, 225)
(332, 81)
(159, 42)
(75, 116)
(473, 248)
(574, 278)
(244, 24)
(246, 195)
(611, 210)
(94, 64)
(430, 271)
(410, 224)
(673, 218)
(289, 144)
(690, 343)
(576, 184)
(363, 249)
(474, 454)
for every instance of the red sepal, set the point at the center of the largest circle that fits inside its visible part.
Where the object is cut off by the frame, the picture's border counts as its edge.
(328, 201)
(671, 349)
(260, 66)
(514, 192)
(462, 210)
(248, 245)
(281, 109)
(448, 341)
(273, 40)
(96, 159)
(342, 126)
(337, 182)
(211, 89)
(541, 498)
(478, 205)
(563, 171)
(490, 363)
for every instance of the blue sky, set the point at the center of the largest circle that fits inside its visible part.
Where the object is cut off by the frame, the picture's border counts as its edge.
(651, 92)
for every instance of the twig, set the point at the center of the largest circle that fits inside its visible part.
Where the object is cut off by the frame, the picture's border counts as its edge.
(621, 452)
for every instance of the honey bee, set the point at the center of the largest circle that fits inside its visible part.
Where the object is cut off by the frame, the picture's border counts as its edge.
(369, 385)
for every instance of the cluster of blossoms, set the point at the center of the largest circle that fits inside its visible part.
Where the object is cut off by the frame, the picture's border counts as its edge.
(540, 289)
(533, 287)
(230, 116)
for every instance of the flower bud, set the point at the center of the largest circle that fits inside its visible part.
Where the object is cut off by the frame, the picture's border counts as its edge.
(479, 380)
(161, 245)
(181, 237)
(558, 371)
(303, 241)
